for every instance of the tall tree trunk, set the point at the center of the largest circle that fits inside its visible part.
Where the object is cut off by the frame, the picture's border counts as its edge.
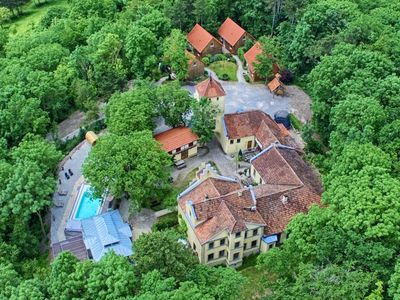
(41, 224)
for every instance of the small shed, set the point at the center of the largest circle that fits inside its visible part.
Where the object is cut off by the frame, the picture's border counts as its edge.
(91, 137)
(282, 117)
(276, 86)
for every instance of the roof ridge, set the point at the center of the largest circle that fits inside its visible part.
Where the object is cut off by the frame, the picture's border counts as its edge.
(290, 167)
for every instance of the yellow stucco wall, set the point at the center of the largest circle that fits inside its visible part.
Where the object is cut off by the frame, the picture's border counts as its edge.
(203, 251)
(235, 147)
(191, 152)
(256, 176)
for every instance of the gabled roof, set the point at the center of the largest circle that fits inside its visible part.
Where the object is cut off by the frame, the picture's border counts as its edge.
(231, 32)
(199, 38)
(282, 165)
(234, 209)
(220, 205)
(278, 213)
(274, 84)
(251, 55)
(106, 232)
(255, 123)
(210, 88)
(175, 138)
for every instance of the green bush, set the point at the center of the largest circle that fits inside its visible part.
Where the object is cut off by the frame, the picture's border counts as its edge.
(241, 54)
(296, 123)
(225, 77)
(166, 222)
(206, 60)
(220, 57)
(246, 77)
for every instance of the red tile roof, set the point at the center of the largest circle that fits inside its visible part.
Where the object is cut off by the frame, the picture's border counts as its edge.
(255, 123)
(175, 138)
(223, 205)
(281, 165)
(251, 56)
(278, 213)
(210, 88)
(231, 32)
(199, 38)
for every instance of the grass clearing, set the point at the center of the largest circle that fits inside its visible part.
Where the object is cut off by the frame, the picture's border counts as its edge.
(224, 67)
(182, 183)
(31, 15)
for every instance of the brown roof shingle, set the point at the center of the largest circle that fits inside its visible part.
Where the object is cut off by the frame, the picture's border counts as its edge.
(231, 32)
(277, 214)
(210, 88)
(281, 165)
(175, 138)
(223, 205)
(255, 123)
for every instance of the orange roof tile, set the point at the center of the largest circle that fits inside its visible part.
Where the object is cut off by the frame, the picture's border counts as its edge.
(274, 84)
(210, 88)
(251, 55)
(231, 32)
(199, 38)
(175, 138)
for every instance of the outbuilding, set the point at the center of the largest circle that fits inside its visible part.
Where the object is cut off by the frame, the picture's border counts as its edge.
(180, 142)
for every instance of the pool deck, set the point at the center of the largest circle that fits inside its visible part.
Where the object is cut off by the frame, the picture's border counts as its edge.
(60, 215)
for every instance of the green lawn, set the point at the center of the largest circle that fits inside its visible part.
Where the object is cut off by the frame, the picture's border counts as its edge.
(32, 14)
(224, 67)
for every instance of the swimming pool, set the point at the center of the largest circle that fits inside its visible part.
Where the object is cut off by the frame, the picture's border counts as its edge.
(88, 206)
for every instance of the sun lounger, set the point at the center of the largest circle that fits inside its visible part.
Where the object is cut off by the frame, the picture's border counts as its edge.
(59, 204)
(62, 193)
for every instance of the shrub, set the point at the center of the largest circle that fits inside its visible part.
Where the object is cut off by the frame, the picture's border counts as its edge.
(165, 222)
(220, 57)
(228, 55)
(206, 60)
(241, 54)
(225, 77)
(296, 123)
(286, 76)
(246, 77)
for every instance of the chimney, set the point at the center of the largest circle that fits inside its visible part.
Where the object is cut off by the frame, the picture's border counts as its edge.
(239, 193)
(253, 197)
(206, 197)
(284, 199)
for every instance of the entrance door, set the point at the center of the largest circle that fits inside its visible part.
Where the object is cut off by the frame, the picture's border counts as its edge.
(184, 154)
(249, 144)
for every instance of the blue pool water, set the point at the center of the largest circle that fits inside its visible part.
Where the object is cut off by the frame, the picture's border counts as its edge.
(88, 206)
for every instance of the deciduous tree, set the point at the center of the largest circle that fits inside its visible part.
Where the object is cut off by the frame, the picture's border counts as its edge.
(203, 119)
(132, 165)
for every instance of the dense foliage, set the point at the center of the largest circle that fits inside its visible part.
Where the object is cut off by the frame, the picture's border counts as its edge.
(345, 53)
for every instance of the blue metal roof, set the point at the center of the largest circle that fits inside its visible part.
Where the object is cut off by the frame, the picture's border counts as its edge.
(270, 239)
(106, 232)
